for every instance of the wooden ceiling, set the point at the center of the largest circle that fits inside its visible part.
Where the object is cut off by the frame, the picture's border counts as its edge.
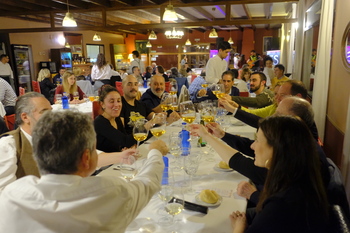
(141, 16)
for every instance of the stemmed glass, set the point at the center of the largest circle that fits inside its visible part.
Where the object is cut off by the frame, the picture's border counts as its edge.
(175, 149)
(207, 112)
(191, 163)
(166, 194)
(128, 167)
(218, 90)
(139, 132)
(205, 86)
(76, 97)
(159, 123)
(173, 87)
(187, 112)
(165, 102)
(176, 204)
(58, 98)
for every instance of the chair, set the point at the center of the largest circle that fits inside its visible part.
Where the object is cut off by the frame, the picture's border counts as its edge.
(36, 86)
(193, 77)
(167, 86)
(10, 121)
(96, 109)
(22, 91)
(86, 87)
(244, 94)
(338, 220)
(119, 87)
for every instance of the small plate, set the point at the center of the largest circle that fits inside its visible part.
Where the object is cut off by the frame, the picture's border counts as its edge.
(219, 169)
(199, 201)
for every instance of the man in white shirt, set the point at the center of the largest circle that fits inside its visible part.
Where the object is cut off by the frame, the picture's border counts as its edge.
(66, 198)
(217, 64)
(136, 62)
(5, 69)
(7, 97)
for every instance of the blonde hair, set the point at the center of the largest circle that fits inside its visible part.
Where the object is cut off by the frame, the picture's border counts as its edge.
(43, 73)
(66, 87)
(76, 71)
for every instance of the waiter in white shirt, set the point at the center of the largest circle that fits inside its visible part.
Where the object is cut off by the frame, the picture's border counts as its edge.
(5, 69)
(136, 62)
(217, 64)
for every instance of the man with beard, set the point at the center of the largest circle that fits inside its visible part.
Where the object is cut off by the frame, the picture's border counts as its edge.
(153, 96)
(264, 96)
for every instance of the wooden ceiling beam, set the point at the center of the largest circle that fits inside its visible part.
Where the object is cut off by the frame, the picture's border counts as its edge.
(49, 4)
(103, 3)
(73, 3)
(248, 14)
(186, 15)
(203, 12)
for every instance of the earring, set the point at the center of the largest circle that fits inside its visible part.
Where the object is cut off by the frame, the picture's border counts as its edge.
(266, 163)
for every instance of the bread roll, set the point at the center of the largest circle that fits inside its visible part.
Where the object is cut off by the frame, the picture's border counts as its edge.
(223, 165)
(209, 196)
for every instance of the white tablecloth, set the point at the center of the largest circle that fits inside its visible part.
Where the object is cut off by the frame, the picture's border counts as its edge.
(225, 183)
(85, 107)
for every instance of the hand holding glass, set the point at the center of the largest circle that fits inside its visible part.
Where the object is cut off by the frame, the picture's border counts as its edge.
(139, 132)
(159, 123)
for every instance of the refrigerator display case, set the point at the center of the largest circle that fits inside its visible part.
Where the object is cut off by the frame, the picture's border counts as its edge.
(24, 67)
(62, 58)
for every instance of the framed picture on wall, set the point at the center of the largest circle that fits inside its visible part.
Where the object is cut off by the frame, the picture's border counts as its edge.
(140, 46)
(267, 43)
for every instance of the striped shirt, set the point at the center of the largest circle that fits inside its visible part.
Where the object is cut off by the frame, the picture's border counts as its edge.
(7, 95)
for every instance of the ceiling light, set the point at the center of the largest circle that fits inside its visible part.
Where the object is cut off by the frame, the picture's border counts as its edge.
(188, 42)
(230, 40)
(149, 45)
(169, 13)
(152, 36)
(67, 45)
(213, 33)
(174, 34)
(68, 20)
(96, 37)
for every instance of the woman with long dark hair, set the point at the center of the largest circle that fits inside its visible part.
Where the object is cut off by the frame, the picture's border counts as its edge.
(293, 197)
(101, 72)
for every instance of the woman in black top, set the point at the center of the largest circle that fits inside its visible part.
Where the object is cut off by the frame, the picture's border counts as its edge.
(45, 83)
(109, 127)
(293, 198)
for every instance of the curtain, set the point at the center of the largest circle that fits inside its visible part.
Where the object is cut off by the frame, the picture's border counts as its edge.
(321, 83)
(299, 42)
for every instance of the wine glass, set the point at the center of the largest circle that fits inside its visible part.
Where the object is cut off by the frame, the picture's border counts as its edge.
(175, 150)
(76, 97)
(191, 163)
(187, 112)
(58, 98)
(207, 112)
(165, 102)
(218, 90)
(158, 126)
(128, 167)
(205, 86)
(166, 194)
(92, 98)
(173, 87)
(139, 132)
(176, 204)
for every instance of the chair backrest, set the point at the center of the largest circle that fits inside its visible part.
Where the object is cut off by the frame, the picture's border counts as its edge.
(335, 189)
(86, 87)
(22, 91)
(184, 94)
(119, 87)
(36, 86)
(244, 94)
(167, 86)
(96, 109)
(338, 220)
(10, 121)
(193, 76)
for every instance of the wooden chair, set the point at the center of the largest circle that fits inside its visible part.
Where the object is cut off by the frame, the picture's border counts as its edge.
(22, 91)
(10, 121)
(119, 87)
(36, 86)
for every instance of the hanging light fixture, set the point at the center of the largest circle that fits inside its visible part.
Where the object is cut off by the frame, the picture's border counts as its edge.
(67, 45)
(152, 36)
(169, 13)
(213, 33)
(149, 45)
(68, 20)
(174, 34)
(96, 37)
(188, 42)
(230, 39)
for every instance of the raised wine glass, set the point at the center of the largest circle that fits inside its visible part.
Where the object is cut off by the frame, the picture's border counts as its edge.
(158, 126)
(165, 102)
(205, 86)
(187, 112)
(173, 87)
(140, 133)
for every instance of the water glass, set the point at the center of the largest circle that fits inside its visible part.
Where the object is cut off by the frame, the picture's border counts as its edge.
(128, 167)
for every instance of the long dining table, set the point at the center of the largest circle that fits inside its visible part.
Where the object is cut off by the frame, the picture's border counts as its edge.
(208, 176)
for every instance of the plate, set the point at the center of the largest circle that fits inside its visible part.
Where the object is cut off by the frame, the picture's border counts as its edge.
(199, 201)
(219, 169)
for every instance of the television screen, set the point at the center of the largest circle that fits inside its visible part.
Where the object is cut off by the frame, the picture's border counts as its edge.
(66, 59)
